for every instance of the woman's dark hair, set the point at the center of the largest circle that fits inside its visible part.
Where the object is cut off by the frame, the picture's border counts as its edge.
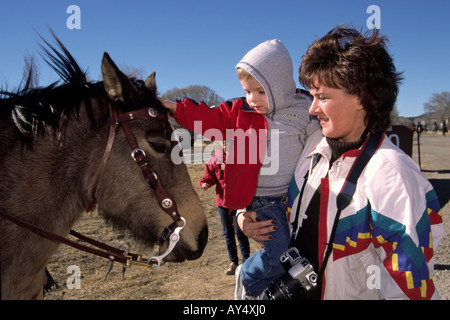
(358, 64)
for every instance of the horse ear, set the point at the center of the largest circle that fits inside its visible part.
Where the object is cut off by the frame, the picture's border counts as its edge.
(116, 84)
(150, 82)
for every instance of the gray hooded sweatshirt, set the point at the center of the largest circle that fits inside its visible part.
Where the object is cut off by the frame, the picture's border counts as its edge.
(288, 119)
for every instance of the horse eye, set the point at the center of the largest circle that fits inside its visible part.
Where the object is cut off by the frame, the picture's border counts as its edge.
(158, 147)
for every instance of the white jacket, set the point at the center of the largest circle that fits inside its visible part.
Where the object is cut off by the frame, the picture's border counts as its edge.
(386, 237)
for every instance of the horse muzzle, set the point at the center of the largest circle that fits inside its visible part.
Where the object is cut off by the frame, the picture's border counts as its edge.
(184, 251)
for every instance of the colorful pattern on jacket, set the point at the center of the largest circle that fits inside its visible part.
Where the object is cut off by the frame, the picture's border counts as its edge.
(405, 261)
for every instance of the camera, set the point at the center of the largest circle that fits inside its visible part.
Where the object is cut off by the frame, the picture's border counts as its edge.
(299, 279)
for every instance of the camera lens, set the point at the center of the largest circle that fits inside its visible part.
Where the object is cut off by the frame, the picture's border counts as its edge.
(313, 278)
(286, 288)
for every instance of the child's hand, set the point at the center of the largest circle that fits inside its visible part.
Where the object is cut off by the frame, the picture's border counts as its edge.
(205, 186)
(170, 105)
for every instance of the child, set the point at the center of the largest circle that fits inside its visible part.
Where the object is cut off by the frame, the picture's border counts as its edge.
(214, 175)
(276, 122)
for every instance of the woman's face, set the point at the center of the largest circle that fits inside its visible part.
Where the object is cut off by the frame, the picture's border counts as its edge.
(340, 114)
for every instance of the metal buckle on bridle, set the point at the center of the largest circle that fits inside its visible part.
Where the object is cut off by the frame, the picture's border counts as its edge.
(152, 112)
(135, 151)
(155, 262)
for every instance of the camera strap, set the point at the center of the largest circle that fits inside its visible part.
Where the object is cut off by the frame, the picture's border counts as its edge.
(344, 198)
(294, 224)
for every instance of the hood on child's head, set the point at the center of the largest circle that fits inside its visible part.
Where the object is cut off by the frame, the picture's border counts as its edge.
(271, 65)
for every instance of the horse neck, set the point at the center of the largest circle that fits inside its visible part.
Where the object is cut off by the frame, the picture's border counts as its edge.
(62, 166)
(82, 139)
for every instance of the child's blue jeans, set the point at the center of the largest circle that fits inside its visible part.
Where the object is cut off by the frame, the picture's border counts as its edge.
(264, 266)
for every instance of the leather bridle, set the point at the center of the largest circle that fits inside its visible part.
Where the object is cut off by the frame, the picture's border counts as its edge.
(166, 202)
(120, 119)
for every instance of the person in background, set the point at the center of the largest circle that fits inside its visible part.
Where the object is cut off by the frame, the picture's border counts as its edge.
(214, 176)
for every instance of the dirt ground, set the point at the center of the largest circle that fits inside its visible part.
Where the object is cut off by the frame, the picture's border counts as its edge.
(204, 279)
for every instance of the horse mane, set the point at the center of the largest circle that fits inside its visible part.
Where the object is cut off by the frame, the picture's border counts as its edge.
(34, 109)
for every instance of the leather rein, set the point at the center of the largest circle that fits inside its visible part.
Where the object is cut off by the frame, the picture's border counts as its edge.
(166, 202)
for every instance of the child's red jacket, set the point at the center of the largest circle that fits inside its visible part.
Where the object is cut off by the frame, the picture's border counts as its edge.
(231, 119)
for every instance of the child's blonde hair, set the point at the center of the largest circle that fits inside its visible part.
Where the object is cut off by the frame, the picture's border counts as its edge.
(243, 74)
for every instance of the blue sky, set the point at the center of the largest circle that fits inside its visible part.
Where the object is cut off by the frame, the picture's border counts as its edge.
(200, 41)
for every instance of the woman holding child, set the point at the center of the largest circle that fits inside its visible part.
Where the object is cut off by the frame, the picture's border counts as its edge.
(381, 245)
(272, 121)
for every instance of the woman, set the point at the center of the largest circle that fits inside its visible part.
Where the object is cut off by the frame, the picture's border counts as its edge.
(384, 240)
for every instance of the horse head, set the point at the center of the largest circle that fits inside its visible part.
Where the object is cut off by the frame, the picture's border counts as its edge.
(124, 196)
(53, 140)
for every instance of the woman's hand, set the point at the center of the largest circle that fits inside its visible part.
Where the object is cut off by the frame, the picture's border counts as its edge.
(255, 229)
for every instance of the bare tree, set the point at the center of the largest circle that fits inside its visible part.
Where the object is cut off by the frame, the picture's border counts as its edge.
(195, 92)
(137, 73)
(394, 115)
(439, 105)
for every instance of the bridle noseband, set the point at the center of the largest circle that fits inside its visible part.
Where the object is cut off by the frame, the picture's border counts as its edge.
(166, 202)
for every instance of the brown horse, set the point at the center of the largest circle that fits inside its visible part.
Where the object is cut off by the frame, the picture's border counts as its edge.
(52, 141)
